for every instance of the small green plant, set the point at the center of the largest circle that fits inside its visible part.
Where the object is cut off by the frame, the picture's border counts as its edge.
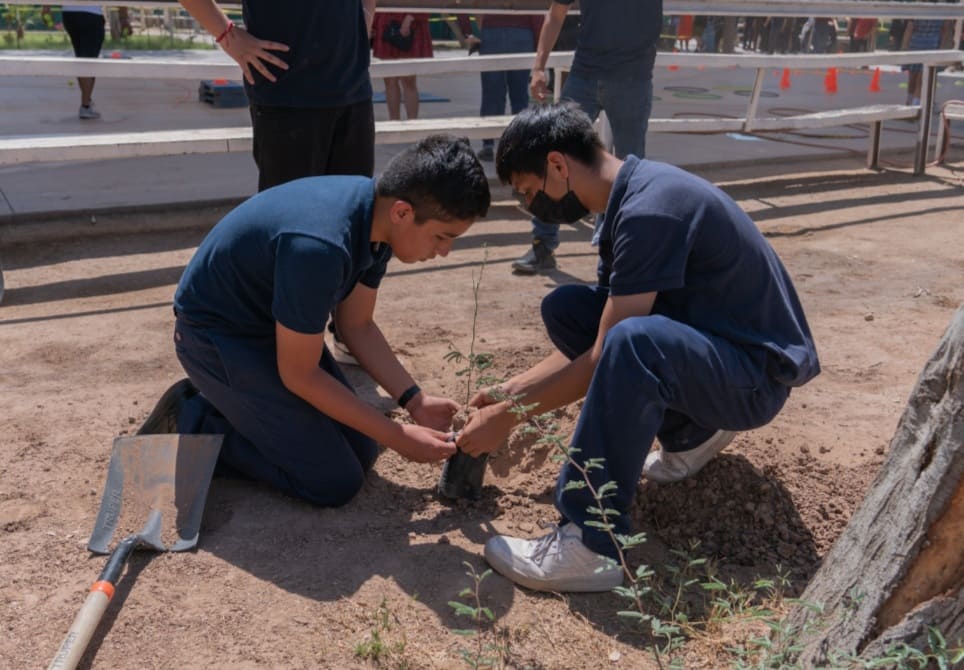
(487, 651)
(377, 647)
(474, 363)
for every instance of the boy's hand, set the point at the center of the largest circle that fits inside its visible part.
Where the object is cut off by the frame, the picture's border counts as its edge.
(486, 430)
(424, 445)
(432, 411)
(488, 396)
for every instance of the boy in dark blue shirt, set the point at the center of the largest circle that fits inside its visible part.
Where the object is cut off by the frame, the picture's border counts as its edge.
(251, 310)
(693, 332)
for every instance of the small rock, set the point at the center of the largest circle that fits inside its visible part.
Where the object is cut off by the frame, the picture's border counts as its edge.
(444, 539)
(804, 449)
(868, 316)
(879, 451)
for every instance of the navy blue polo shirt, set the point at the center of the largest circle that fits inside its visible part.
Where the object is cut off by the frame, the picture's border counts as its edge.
(328, 57)
(669, 231)
(617, 38)
(289, 254)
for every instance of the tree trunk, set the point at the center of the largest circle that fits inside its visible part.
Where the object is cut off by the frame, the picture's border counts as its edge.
(898, 567)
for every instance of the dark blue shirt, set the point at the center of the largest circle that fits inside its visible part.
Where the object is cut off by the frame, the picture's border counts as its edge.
(289, 254)
(328, 58)
(668, 231)
(617, 38)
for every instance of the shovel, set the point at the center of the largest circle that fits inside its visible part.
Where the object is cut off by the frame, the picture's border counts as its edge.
(161, 480)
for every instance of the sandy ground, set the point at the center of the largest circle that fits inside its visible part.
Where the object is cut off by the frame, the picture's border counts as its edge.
(85, 341)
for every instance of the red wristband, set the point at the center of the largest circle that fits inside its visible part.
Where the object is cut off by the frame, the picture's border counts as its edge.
(227, 31)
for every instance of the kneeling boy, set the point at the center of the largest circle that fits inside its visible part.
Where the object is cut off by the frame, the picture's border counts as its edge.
(251, 310)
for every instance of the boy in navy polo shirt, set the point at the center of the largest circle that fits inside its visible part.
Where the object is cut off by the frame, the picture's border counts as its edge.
(252, 307)
(693, 332)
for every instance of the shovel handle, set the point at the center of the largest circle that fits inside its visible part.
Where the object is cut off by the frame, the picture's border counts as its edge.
(92, 611)
(85, 623)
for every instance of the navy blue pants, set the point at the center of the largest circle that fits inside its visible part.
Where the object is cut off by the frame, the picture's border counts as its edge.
(270, 434)
(656, 379)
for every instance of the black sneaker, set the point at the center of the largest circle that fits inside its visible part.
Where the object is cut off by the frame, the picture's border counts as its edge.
(486, 153)
(163, 418)
(538, 259)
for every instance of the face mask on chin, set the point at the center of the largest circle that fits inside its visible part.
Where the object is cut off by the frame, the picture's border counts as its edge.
(567, 210)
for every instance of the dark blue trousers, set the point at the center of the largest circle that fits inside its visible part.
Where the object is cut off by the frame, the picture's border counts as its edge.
(270, 434)
(656, 379)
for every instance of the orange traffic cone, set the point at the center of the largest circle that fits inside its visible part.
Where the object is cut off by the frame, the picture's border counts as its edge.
(673, 68)
(875, 81)
(785, 79)
(830, 81)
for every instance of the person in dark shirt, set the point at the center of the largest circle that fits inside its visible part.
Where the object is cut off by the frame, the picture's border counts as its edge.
(612, 71)
(251, 310)
(693, 332)
(305, 67)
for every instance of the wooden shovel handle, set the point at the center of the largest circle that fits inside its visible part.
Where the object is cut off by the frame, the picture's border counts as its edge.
(85, 623)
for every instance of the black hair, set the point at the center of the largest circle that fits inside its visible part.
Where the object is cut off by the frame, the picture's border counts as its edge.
(537, 130)
(441, 178)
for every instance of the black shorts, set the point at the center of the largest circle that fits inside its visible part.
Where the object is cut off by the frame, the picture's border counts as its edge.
(86, 32)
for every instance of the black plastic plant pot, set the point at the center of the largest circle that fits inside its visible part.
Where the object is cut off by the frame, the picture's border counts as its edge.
(462, 476)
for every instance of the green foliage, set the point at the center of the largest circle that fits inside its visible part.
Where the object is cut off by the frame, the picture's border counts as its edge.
(377, 648)
(488, 651)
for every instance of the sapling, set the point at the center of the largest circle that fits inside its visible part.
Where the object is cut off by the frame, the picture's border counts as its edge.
(462, 474)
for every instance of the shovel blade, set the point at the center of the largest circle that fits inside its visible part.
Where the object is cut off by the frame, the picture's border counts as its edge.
(153, 477)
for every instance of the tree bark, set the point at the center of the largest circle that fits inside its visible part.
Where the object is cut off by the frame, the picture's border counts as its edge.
(898, 567)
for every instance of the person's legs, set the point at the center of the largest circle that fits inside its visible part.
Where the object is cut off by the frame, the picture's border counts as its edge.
(493, 83)
(271, 435)
(350, 140)
(393, 97)
(290, 143)
(628, 105)
(410, 92)
(650, 365)
(86, 33)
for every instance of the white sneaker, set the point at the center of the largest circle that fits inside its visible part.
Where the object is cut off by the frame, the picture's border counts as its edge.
(668, 466)
(88, 112)
(340, 351)
(558, 561)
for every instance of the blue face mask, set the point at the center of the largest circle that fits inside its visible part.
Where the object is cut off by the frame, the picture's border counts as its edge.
(567, 210)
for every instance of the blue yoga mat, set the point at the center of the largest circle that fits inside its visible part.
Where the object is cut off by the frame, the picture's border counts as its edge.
(422, 97)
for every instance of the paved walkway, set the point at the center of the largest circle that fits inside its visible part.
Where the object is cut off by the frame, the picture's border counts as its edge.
(46, 105)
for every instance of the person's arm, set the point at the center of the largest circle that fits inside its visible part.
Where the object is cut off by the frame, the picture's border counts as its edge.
(538, 80)
(553, 383)
(905, 39)
(368, 7)
(354, 321)
(298, 356)
(246, 50)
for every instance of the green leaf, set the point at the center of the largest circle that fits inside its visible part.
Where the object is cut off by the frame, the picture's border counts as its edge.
(632, 614)
(574, 485)
(600, 525)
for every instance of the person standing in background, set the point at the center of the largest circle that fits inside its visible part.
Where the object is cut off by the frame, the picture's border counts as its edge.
(502, 34)
(85, 26)
(919, 35)
(612, 70)
(395, 36)
(305, 67)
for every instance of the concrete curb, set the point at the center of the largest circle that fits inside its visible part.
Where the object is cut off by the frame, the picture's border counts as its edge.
(16, 229)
